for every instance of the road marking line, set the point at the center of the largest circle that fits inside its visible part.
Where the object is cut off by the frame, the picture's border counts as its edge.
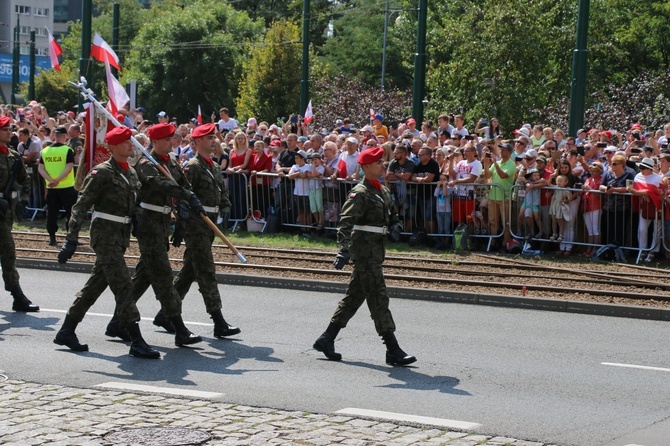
(156, 389)
(44, 310)
(443, 422)
(633, 366)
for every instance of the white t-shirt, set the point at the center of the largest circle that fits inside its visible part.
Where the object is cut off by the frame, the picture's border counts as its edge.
(230, 125)
(463, 132)
(300, 185)
(652, 179)
(351, 161)
(464, 170)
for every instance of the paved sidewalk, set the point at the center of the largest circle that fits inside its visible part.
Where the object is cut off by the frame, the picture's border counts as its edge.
(38, 414)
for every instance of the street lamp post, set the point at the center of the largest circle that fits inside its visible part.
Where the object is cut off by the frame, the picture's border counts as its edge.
(387, 16)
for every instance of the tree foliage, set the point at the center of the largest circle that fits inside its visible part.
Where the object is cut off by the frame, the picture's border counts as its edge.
(53, 90)
(191, 56)
(270, 85)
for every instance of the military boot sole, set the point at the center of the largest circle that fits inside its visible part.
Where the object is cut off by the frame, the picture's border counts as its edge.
(230, 331)
(73, 345)
(407, 360)
(332, 356)
(187, 340)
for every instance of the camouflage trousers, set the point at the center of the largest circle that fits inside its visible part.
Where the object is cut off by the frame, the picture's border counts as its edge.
(154, 270)
(366, 284)
(109, 270)
(199, 267)
(7, 251)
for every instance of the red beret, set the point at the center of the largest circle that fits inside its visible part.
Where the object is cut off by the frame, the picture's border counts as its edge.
(370, 155)
(118, 135)
(203, 130)
(4, 121)
(160, 131)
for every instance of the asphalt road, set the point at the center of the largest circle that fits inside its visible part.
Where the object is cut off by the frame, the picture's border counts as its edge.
(552, 377)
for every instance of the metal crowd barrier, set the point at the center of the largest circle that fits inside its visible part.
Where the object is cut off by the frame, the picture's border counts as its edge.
(238, 188)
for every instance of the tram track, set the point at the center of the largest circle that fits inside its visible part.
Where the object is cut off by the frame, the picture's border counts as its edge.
(481, 273)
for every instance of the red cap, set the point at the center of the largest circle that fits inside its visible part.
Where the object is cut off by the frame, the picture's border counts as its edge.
(636, 126)
(370, 155)
(4, 121)
(160, 131)
(118, 135)
(203, 130)
(411, 121)
(275, 143)
(591, 131)
(607, 134)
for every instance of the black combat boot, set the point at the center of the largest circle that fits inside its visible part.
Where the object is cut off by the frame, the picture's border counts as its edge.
(183, 336)
(221, 327)
(21, 302)
(114, 329)
(326, 343)
(52, 240)
(68, 338)
(138, 346)
(394, 354)
(161, 321)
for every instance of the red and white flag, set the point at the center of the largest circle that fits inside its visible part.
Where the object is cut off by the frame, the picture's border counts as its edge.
(117, 94)
(55, 51)
(199, 115)
(372, 114)
(308, 114)
(100, 48)
(96, 151)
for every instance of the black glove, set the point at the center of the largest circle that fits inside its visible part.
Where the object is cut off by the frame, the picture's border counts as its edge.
(135, 223)
(394, 234)
(4, 207)
(177, 237)
(182, 211)
(195, 205)
(341, 259)
(67, 251)
(225, 215)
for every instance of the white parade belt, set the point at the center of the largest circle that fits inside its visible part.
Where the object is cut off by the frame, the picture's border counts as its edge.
(110, 217)
(383, 230)
(152, 207)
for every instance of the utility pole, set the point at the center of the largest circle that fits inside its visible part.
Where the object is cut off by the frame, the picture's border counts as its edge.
(419, 86)
(579, 70)
(304, 82)
(86, 13)
(115, 34)
(15, 61)
(31, 79)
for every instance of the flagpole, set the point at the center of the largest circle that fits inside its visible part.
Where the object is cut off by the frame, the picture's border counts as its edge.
(88, 94)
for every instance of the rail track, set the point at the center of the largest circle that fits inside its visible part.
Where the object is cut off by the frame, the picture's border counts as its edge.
(481, 273)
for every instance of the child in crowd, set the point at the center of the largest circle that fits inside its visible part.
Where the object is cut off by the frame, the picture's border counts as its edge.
(530, 208)
(443, 206)
(315, 189)
(538, 136)
(559, 209)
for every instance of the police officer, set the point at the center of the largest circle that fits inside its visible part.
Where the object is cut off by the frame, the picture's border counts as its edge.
(110, 188)
(208, 183)
(11, 165)
(56, 167)
(156, 203)
(361, 236)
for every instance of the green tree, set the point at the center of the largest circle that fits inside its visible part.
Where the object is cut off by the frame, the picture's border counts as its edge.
(189, 57)
(52, 89)
(270, 85)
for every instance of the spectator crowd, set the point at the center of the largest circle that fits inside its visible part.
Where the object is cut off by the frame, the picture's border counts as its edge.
(505, 188)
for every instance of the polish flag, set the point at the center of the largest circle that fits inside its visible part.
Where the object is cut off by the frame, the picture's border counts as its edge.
(308, 114)
(55, 51)
(199, 115)
(117, 94)
(372, 114)
(653, 196)
(100, 48)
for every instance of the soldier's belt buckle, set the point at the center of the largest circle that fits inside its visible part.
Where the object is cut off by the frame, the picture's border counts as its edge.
(385, 230)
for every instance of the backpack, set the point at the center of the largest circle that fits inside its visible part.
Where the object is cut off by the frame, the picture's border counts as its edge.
(462, 238)
(609, 252)
(418, 237)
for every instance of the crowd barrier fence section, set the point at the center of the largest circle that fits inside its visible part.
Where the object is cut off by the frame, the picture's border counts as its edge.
(238, 188)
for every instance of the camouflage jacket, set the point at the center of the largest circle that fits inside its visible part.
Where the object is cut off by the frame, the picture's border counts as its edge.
(21, 184)
(107, 188)
(366, 206)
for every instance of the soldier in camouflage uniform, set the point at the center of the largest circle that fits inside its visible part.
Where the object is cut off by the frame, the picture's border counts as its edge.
(361, 237)
(9, 161)
(156, 202)
(110, 188)
(208, 183)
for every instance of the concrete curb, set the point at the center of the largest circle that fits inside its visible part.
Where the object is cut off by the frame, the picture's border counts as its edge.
(433, 295)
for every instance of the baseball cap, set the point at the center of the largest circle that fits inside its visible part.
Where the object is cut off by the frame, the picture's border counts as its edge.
(531, 154)
(303, 139)
(161, 114)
